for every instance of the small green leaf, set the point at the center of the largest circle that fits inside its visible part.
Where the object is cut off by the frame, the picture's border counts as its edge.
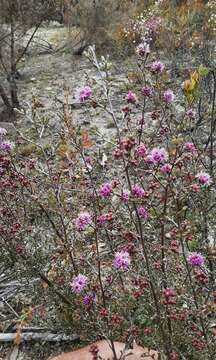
(203, 70)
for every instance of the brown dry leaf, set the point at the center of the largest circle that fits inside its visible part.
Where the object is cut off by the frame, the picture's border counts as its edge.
(195, 77)
(86, 141)
(62, 149)
(45, 285)
(187, 86)
(17, 339)
(37, 103)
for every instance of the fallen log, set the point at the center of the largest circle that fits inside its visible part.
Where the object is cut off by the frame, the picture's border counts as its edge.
(16, 283)
(32, 336)
(31, 329)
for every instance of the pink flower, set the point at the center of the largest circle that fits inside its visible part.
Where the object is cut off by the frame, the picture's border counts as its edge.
(79, 283)
(141, 150)
(6, 146)
(143, 213)
(204, 178)
(147, 91)
(89, 299)
(157, 67)
(89, 160)
(158, 155)
(166, 168)
(121, 260)
(85, 93)
(191, 114)
(148, 159)
(153, 24)
(195, 259)
(195, 187)
(173, 356)
(143, 49)
(131, 97)
(169, 296)
(84, 219)
(168, 96)
(190, 147)
(169, 292)
(125, 195)
(137, 191)
(104, 218)
(105, 190)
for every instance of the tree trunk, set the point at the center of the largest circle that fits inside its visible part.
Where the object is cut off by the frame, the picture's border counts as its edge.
(5, 98)
(12, 82)
(13, 94)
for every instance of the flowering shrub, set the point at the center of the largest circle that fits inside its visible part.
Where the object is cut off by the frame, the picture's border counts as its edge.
(184, 29)
(125, 245)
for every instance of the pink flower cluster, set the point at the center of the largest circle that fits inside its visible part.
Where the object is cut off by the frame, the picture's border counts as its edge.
(83, 220)
(5, 145)
(168, 96)
(85, 93)
(143, 213)
(195, 259)
(190, 147)
(204, 178)
(121, 260)
(191, 114)
(89, 299)
(104, 218)
(105, 190)
(125, 195)
(166, 168)
(169, 296)
(143, 49)
(147, 91)
(137, 191)
(79, 283)
(141, 150)
(157, 67)
(131, 97)
(153, 24)
(157, 156)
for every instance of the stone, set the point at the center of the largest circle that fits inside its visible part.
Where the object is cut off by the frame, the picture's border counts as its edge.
(9, 126)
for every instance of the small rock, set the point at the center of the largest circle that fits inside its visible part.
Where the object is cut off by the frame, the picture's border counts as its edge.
(9, 126)
(85, 122)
